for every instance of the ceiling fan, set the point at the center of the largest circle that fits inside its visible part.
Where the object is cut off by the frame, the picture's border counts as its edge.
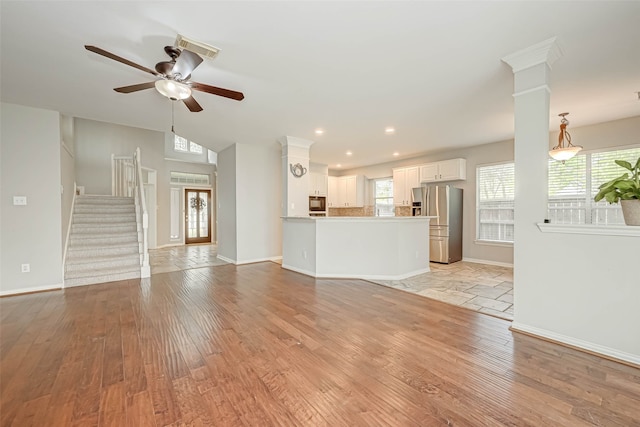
(174, 77)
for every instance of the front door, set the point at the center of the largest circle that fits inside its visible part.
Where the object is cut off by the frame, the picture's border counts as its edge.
(198, 216)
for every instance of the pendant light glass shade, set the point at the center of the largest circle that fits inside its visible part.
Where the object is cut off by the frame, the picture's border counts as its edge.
(173, 90)
(561, 152)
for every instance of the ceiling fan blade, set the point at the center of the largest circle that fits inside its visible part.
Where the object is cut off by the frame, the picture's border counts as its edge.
(135, 88)
(110, 55)
(186, 63)
(192, 104)
(238, 96)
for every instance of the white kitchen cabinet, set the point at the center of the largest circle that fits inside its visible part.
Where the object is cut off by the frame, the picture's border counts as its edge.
(404, 180)
(332, 193)
(346, 191)
(317, 184)
(446, 170)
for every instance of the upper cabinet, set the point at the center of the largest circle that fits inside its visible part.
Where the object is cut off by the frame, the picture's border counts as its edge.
(346, 191)
(317, 184)
(446, 170)
(404, 180)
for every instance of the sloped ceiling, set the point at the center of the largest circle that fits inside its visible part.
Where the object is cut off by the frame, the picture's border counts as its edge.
(432, 70)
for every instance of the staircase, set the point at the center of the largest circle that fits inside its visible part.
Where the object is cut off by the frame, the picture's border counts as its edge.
(103, 243)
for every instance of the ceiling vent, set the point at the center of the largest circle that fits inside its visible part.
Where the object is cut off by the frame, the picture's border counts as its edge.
(204, 50)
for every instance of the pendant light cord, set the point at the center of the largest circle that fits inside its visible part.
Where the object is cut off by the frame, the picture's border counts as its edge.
(172, 119)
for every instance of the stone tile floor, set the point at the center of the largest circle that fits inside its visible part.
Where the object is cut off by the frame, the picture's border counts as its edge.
(177, 258)
(480, 287)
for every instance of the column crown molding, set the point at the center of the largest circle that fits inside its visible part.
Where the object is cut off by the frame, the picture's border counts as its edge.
(546, 51)
(295, 142)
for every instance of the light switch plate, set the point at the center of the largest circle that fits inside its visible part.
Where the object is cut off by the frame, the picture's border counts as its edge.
(19, 200)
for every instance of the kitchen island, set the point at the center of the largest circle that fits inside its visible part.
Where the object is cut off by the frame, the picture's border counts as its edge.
(381, 248)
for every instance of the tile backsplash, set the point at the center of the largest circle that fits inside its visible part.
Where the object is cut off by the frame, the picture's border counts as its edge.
(366, 211)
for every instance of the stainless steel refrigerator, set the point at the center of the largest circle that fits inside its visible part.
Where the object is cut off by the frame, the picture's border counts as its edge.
(445, 237)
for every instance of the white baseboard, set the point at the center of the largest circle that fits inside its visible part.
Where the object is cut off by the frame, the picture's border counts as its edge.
(248, 261)
(31, 290)
(487, 262)
(578, 343)
(355, 276)
(225, 259)
(253, 261)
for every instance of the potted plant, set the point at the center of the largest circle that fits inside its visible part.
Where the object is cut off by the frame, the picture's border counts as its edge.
(625, 189)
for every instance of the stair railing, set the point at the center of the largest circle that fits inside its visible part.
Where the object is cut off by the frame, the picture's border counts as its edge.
(123, 176)
(141, 212)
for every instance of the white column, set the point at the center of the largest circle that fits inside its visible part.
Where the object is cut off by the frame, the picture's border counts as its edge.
(531, 69)
(295, 189)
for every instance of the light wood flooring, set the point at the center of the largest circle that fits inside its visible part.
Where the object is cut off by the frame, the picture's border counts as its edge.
(257, 345)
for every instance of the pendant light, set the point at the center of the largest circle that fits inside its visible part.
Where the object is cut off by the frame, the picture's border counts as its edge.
(561, 152)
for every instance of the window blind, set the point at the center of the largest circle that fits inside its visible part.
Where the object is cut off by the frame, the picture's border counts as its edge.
(495, 202)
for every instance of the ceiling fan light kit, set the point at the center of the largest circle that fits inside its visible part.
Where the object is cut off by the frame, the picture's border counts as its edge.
(173, 90)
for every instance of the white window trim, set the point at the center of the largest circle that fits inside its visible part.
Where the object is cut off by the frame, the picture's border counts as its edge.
(498, 243)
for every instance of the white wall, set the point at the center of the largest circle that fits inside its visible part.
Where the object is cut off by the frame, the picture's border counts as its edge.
(227, 225)
(30, 166)
(249, 198)
(67, 173)
(258, 200)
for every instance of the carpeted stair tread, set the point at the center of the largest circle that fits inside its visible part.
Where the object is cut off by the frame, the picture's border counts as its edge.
(92, 250)
(95, 239)
(104, 200)
(101, 278)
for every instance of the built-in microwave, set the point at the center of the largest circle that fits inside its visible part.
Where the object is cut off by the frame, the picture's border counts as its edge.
(317, 203)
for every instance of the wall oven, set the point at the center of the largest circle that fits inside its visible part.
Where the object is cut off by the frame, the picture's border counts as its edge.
(317, 204)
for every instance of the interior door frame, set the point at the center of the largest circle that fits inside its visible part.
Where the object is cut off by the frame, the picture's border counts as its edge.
(187, 239)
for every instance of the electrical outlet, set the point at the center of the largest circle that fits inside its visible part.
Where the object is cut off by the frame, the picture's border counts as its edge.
(304, 254)
(417, 255)
(26, 268)
(19, 200)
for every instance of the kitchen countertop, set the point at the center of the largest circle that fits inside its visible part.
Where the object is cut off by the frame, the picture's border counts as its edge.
(357, 218)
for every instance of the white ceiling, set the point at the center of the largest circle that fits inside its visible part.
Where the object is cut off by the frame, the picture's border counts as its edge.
(432, 70)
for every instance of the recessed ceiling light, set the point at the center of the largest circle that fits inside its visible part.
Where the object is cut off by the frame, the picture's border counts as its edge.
(319, 131)
(396, 154)
(338, 165)
(349, 153)
(389, 130)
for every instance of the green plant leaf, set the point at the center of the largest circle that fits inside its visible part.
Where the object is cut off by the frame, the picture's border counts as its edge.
(624, 164)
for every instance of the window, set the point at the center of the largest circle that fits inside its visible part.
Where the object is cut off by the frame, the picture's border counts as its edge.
(574, 184)
(495, 202)
(180, 143)
(383, 197)
(195, 148)
(186, 146)
(189, 178)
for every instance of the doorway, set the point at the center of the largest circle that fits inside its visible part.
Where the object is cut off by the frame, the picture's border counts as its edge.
(197, 207)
